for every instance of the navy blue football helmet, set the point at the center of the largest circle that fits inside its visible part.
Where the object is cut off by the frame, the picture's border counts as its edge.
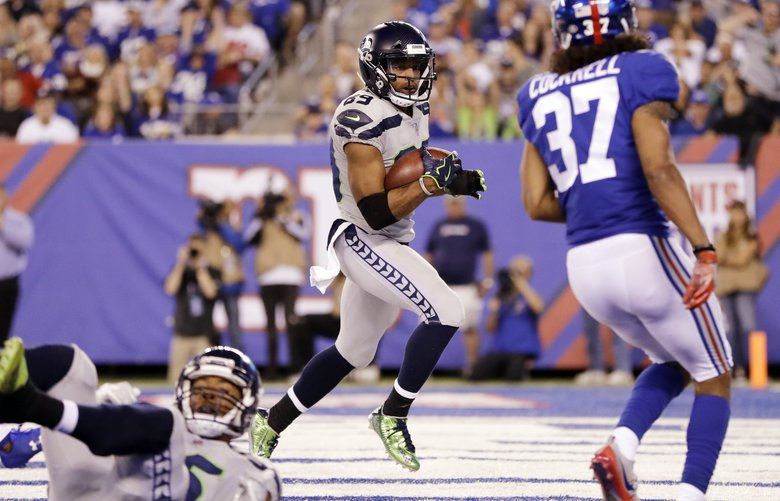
(233, 366)
(591, 22)
(395, 44)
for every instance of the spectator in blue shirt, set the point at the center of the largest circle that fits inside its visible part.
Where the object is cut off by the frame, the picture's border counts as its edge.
(702, 23)
(281, 20)
(104, 125)
(455, 247)
(16, 238)
(697, 119)
(135, 35)
(193, 77)
(513, 320)
(647, 24)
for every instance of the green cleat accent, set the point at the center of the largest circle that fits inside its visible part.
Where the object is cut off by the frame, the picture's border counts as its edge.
(395, 437)
(262, 438)
(13, 367)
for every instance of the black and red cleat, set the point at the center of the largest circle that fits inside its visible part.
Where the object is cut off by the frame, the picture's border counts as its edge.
(614, 473)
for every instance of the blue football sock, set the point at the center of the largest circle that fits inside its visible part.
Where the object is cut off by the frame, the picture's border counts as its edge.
(124, 429)
(653, 390)
(706, 431)
(422, 352)
(323, 373)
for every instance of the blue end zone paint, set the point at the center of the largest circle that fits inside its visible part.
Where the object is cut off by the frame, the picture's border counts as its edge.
(25, 166)
(552, 401)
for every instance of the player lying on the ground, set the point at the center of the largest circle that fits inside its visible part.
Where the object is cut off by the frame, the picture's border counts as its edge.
(598, 157)
(138, 451)
(370, 130)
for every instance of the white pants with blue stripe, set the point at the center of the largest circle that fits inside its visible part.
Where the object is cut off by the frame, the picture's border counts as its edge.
(384, 276)
(634, 284)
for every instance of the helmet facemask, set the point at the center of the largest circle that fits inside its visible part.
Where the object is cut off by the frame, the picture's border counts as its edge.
(384, 72)
(218, 413)
(392, 67)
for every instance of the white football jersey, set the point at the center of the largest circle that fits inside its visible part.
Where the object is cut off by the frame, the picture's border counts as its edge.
(191, 468)
(365, 118)
(220, 471)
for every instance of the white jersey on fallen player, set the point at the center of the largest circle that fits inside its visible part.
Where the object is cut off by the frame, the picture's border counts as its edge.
(191, 468)
(365, 118)
(219, 470)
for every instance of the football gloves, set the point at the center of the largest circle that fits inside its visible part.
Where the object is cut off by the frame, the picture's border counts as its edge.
(443, 172)
(468, 182)
(702, 279)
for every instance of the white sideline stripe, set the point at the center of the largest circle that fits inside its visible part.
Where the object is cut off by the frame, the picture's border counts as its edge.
(402, 392)
(295, 401)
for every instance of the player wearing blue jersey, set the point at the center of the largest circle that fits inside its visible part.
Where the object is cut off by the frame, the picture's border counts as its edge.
(598, 157)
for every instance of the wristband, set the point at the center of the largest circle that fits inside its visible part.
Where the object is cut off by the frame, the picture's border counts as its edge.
(425, 190)
(703, 248)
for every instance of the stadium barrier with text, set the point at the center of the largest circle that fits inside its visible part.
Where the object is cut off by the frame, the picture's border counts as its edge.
(109, 218)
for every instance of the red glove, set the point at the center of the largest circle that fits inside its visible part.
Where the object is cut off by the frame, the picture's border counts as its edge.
(702, 281)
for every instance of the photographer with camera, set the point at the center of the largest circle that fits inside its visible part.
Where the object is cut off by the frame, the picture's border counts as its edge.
(195, 285)
(278, 231)
(513, 318)
(222, 250)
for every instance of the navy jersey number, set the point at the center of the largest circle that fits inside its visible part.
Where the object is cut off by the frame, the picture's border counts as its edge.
(196, 487)
(361, 99)
(598, 166)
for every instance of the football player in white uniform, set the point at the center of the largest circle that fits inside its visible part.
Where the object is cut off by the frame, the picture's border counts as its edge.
(138, 451)
(370, 130)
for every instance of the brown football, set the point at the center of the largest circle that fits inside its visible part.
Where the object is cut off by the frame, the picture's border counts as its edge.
(409, 168)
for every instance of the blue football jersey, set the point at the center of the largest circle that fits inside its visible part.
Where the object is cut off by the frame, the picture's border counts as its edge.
(581, 124)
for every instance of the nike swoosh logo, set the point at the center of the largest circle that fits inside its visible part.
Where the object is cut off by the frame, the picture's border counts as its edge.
(356, 118)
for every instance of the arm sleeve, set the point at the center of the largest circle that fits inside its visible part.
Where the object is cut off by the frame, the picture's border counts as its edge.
(232, 237)
(484, 239)
(252, 233)
(649, 76)
(432, 240)
(297, 226)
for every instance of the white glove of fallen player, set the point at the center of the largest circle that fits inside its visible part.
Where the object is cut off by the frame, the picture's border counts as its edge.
(122, 393)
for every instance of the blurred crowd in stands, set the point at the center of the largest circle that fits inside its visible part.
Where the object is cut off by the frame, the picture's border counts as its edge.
(115, 68)
(727, 53)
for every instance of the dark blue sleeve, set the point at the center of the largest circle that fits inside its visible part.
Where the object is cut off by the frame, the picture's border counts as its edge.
(648, 76)
(524, 107)
(433, 240)
(483, 240)
(232, 237)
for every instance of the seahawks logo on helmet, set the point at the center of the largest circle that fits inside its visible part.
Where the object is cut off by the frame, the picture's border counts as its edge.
(391, 45)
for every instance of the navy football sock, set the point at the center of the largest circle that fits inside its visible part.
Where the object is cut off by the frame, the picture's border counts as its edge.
(123, 429)
(653, 390)
(323, 373)
(706, 431)
(48, 364)
(423, 350)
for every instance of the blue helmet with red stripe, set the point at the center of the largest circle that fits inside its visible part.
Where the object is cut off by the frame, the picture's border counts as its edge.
(591, 22)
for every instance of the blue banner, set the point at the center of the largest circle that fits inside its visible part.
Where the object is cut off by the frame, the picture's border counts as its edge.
(110, 218)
